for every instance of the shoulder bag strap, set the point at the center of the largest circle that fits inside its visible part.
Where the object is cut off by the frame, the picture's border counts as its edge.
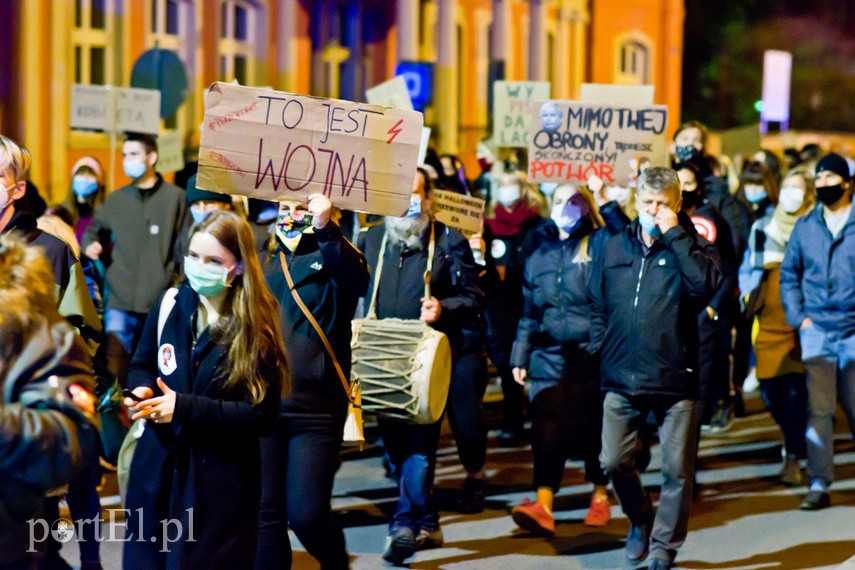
(372, 307)
(166, 306)
(317, 327)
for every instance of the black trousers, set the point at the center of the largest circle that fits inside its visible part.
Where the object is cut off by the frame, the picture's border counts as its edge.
(465, 409)
(298, 466)
(714, 351)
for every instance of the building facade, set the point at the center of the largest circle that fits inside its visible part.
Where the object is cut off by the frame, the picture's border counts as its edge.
(333, 48)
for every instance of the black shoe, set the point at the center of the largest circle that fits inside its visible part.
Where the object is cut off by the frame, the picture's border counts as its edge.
(474, 494)
(638, 542)
(427, 539)
(722, 418)
(815, 500)
(659, 564)
(510, 438)
(400, 546)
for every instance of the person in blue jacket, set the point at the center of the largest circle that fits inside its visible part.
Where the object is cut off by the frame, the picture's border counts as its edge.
(818, 291)
(550, 352)
(210, 385)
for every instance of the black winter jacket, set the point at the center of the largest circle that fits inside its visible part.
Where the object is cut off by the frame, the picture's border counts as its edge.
(454, 280)
(330, 276)
(645, 309)
(556, 315)
(45, 440)
(718, 231)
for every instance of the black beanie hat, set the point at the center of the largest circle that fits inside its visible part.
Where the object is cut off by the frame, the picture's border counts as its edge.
(834, 163)
(195, 194)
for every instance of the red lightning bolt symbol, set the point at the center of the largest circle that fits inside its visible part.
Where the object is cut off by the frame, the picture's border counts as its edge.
(396, 128)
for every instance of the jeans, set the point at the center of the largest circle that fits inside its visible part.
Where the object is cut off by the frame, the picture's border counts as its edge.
(830, 364)
(411, 450)
(677, 422)
(786, 398)
(465, 411)
(298, 466)
(123, 331)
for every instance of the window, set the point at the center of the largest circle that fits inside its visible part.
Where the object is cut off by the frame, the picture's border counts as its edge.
(90, 39)
(238, 22)
(632, 59)
(171, 27)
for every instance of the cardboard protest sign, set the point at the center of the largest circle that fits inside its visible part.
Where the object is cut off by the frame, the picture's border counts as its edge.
(170, 152)
(115, 109)
(393, 93)
(513, 102)
(571, 141)
(457, 211)
(423, 145)
(610, 94)
(274, 145)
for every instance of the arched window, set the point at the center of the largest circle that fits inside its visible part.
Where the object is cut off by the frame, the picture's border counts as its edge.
(170, 25)
(633, 59)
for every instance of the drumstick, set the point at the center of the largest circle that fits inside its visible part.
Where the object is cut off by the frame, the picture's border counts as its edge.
(427, 284)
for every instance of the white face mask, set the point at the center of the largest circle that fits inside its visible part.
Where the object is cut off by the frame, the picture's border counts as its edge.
(508, 195)
(791, 198)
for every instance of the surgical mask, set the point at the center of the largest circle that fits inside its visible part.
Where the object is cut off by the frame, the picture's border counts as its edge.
(754, 193)
(548, 188)
(508, 195)
(648, 223)
(134, 168)
(84, 187)
(206, 279)
(829, 195)
(567, 216)
(415, 209)
(199, 216)
(791, 199)
(687, 153)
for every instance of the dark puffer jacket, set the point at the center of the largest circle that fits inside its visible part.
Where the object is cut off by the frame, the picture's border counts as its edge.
(556, 315)
(645, 307)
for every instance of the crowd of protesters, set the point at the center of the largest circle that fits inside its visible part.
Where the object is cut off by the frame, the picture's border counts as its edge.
(206, 338)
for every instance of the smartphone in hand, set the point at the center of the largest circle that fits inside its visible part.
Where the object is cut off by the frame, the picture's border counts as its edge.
(128, 393)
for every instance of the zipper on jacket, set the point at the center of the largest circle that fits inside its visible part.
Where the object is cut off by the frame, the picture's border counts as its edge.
(638, 285)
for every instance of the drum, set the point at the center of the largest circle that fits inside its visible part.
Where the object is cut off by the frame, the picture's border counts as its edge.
(404, 367)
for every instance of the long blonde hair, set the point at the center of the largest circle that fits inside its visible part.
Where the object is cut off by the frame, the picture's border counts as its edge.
(249, 324)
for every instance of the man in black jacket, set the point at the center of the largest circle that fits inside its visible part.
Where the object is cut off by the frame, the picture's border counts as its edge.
(647, 288)
(454, 302)
(299, 461)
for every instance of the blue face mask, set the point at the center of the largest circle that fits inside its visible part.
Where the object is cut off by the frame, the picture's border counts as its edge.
(648, 223)
(134, 168)
(206, 279)
(755, 195)
(83, 187)
(199, 216)
(415, 209)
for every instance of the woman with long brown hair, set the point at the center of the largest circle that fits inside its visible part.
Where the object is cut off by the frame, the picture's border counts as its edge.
(207, 378)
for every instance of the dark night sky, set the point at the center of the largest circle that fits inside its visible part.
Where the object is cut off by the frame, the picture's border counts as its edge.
(723, 60)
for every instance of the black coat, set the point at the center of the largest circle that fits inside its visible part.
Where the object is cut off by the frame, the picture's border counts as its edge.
(207, 459)
(454, 280)
(330, 276)
(556, 318)
(645, 309)
(721, 235)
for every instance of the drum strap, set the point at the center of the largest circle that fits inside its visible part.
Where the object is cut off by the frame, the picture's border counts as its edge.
(372, 307)
(317, 327)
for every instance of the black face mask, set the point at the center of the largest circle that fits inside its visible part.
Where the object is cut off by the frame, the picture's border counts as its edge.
(691, 199)
(829, 195)
(687, 153)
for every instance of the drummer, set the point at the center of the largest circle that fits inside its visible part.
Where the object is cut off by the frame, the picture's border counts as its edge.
(454, 300)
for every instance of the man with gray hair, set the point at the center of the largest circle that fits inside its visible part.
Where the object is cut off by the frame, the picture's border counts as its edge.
(649, 284)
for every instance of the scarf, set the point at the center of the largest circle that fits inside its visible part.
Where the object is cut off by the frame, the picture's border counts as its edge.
(506, 223)
(769, 238)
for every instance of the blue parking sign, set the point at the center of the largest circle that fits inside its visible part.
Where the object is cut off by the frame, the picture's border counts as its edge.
(419, 78)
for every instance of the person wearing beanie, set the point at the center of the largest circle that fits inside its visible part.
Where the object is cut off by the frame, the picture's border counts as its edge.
(819, 299)
(200, 205)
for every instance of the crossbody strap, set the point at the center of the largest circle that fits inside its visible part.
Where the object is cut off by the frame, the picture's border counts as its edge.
(166, 306)
(317, 327)
(372, 314)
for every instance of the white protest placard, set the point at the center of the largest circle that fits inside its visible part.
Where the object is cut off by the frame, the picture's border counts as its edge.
(115, 109)
(393, 94)
(464, 213)
(170, 152)
(423, 145)
(619, 95)
(513, 102)
(571, 141)
(274, 145)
